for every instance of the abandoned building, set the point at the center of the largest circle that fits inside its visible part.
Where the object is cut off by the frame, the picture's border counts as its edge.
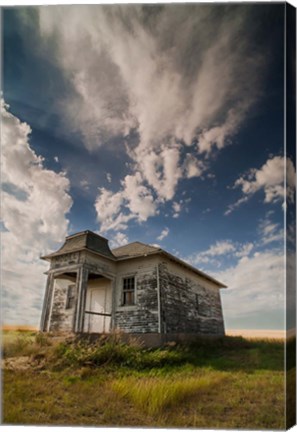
(136, 288)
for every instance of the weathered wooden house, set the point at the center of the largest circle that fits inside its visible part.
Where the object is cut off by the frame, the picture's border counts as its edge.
(136, 288)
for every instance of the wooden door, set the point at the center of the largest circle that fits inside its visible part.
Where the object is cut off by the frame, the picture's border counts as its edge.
(98, 310)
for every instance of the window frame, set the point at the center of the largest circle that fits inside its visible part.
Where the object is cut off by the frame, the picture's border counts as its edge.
(124, 290)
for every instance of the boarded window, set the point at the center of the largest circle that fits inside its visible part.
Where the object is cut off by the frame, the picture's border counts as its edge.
(129, 291)
(70, 296)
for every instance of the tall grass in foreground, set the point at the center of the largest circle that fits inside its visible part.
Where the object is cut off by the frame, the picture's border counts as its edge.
(154, 395)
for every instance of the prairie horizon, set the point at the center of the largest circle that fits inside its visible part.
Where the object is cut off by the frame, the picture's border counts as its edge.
(245, 333)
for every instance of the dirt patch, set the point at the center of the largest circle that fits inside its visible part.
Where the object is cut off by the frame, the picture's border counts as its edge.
(21, 363)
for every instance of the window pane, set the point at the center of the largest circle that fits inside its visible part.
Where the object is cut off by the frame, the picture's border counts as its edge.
(128, 290)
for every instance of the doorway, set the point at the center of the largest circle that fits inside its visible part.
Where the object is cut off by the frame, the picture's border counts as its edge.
(98, 307)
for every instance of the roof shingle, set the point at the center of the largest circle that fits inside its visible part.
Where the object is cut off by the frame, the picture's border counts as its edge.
(134, 249)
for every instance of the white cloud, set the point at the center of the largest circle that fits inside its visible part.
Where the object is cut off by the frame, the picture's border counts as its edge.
(133, 201)
(177, 207)
(108, 207)
(221, 247)
(244, 250)
(163, 234)
(216, 137)
(224, 248)
(119, 239)
(173, 91)
(193, 167)
(108, 177)
(255, 285)
(35, 202)
(56, 159)
(270, 232)
(140, 200)
(270, 178)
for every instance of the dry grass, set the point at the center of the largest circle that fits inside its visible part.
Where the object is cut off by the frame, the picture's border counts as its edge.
(155, 395)
(19, 328)
(231, 383)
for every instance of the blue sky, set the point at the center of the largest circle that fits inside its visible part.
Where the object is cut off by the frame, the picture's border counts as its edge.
(162, 124)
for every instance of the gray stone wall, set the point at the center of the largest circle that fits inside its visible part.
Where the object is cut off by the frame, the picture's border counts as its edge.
(188, 306)
(143, 317)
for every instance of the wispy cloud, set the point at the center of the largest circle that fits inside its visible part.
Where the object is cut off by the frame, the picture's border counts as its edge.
(131, 73)
(209, 256)
(270, 232)
(163, 234)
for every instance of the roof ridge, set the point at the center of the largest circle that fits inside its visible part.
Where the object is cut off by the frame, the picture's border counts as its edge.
(128, 244)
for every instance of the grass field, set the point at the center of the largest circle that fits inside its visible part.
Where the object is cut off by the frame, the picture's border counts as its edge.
(227, 383)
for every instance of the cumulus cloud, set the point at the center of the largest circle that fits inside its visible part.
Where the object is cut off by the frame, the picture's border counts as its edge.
(35, 202)
(119, 239)
(140, 200)
(255, 285)
(270, 178)
(131, 71)
(163, 234)
(112, 207)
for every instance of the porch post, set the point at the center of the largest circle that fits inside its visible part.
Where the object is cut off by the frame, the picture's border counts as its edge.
(82, 280)
(113, 304)
(45, 315)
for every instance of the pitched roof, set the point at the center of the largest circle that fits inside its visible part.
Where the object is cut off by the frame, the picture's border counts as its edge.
(88, 240)
(134, 249)
(138, 249)
(84, 240)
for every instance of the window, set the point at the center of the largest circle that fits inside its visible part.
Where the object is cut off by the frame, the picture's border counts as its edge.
(70, 296)
(128, 291)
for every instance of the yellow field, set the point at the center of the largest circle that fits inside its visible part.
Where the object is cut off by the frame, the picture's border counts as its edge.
(19, 328)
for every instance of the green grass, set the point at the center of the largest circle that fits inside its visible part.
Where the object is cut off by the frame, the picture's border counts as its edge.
(228, 383)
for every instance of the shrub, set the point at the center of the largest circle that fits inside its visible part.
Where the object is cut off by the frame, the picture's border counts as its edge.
(111, 352)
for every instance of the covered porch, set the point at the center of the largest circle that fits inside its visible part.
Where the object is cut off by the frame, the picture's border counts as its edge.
(84, 301)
